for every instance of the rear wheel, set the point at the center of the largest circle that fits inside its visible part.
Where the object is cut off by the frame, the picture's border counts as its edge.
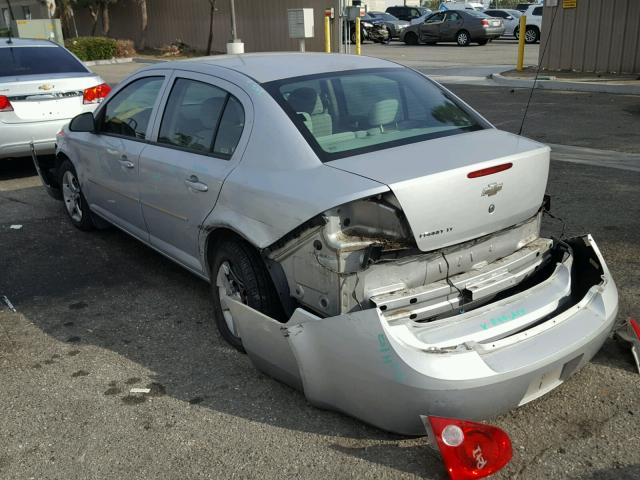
(531, 35)
(75, 204)
(463, 38)
(411, 38)
(238, 272)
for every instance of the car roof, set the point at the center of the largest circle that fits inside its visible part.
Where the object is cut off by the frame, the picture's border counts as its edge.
(26, 42)
(267, 67)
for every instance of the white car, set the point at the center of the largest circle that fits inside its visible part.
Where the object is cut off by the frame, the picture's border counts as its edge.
(369, 238)
(534, 24)
(42, 87)
(510, 19)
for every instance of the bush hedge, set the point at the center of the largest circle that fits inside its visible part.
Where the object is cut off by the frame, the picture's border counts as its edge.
(92, 48)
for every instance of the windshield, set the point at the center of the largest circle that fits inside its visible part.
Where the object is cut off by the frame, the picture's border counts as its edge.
(17, 61)
(384, 16)
(347, 113)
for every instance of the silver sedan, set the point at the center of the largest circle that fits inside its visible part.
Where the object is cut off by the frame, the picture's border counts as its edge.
(368, 237)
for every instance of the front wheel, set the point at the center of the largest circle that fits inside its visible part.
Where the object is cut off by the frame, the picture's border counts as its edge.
(75, 204)
(238, 272)
(463, 38)
(411, 38)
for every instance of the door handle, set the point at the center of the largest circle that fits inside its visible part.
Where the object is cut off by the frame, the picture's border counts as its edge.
(124, 161)
(195, 184)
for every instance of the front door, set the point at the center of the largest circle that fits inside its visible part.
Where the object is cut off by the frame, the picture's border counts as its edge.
(196, 145)
(113, 154)
(430, 29)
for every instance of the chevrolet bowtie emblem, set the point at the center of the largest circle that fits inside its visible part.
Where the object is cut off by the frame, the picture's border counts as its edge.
(491, 189)
(46, 87)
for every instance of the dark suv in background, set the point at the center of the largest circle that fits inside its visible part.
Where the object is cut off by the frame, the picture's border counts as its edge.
(407, 13)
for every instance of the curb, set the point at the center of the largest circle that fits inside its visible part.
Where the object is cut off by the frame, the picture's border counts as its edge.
(148, 60)
(111, 61)
(562, 85)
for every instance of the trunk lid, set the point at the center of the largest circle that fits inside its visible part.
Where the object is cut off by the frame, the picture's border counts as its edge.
(442, 204)
(41, 98)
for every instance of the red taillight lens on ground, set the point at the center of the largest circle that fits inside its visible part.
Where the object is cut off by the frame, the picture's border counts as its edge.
(96, 94)
(5, 104)
(469, 449)
(485, 22)
(489, 171)
(635, 327)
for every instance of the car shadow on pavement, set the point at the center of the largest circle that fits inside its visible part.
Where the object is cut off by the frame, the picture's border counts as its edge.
(106, 289)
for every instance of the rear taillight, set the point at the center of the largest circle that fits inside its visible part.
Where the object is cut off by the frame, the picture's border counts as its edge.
(5, 104)
(96, 94)
(485, 22)
(489, 171)
(469, 450)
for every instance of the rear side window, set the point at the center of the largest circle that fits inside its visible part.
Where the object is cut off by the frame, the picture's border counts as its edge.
(192, 115)
(537, 11)
(129, 111)
(202, 118)
(17, 61)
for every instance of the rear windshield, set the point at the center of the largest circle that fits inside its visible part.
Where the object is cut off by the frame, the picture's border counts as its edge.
(348, 113)
(16, 61)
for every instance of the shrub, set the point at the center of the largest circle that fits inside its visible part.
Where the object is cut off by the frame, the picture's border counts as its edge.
(4, 32)
(125, 48)
(92, 48)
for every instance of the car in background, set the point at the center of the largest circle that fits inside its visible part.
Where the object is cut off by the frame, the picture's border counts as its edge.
(42, 87)
(510, 19)
(534, 24)
(460, 26)
(462, 6)
(393, 24)
(522, 7)
(387, 245)
(408, 13)
(371, 29)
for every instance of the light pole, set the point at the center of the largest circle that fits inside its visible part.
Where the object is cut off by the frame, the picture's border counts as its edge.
(235, 46)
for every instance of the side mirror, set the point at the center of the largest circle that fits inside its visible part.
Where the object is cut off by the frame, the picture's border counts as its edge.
(83, 123)
(509, 17)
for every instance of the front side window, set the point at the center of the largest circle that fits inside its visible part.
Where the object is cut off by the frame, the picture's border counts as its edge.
(16, 61)
(347, 113)
(129, 111)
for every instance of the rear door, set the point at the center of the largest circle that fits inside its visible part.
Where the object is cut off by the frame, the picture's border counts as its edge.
(448, 29)
(197, 141)
(110, 156)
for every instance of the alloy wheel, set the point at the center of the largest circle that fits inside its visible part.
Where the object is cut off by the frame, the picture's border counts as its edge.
(71, 195)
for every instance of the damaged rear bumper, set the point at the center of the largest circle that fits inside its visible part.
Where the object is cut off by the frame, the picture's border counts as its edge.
(474, 365)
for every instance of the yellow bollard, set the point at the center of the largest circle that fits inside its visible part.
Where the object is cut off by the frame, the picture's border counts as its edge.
(358, 49)
(522, 30)
(327, 34)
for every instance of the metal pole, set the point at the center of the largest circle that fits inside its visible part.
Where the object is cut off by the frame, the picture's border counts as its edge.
(358, 49)
(234, 35)
(327, 34)
(521, 31)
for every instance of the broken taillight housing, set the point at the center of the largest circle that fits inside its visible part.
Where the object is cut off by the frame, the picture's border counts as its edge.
(95, 94)
(5, 104)
(469, 449)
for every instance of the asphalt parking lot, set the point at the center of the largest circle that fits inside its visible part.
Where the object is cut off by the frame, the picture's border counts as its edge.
(99, 314)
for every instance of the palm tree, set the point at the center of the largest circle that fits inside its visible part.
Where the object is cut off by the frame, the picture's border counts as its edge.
(212, 4)
(142, 4)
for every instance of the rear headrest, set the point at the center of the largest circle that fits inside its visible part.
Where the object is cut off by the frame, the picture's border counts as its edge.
(383, 112)
(305, 99)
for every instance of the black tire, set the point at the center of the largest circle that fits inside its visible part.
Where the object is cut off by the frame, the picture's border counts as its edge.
(353, 37)
(516, 33)
(463, 38)
(482, 42)
(249, 274)
(531, 35)
(411, 39)
(75, 205)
